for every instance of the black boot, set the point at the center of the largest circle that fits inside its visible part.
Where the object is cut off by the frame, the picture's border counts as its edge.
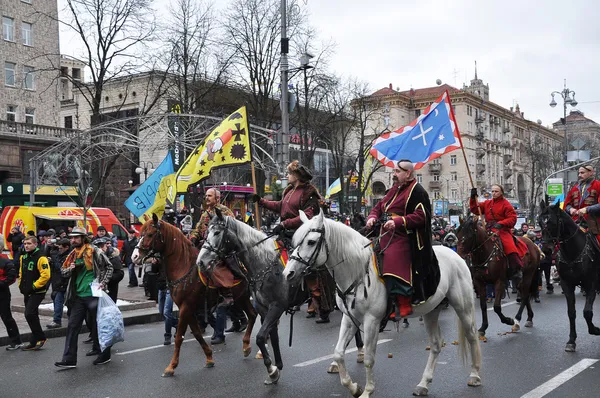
(235, 327)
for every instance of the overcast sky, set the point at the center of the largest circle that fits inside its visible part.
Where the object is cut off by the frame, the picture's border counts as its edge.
(524, 49)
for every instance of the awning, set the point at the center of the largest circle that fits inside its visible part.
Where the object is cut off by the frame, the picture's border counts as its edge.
(57, 217)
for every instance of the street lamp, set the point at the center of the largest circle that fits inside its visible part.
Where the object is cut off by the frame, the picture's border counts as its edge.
(145, 167)
(568, 97)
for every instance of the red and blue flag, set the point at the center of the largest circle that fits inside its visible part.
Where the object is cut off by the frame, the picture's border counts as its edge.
(429, 136)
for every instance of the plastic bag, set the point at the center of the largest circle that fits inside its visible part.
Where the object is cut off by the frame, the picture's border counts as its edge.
(111, 329)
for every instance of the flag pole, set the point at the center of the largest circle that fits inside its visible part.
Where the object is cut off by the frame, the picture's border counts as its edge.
(462, 148)
(256, 214)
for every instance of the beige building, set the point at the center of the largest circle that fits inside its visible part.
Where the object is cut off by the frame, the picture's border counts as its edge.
(29, 55)
(495, 140)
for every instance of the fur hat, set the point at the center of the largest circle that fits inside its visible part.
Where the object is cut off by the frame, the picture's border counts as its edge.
(299, 171)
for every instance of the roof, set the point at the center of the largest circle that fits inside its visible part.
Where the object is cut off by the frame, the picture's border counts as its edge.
(385, 91)
(430, 91)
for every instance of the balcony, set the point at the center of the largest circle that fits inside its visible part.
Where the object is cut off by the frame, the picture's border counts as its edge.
(479, 136)
(480, 168)
(480, 152)
(435, 184)
(480, 182)
(508, 159)
(435, 167)
(508, 187)
(35, 132)
(507, 173)
(506, 130)
(479, 120)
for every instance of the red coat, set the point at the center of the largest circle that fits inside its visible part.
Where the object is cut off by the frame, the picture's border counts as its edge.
(304, 197)
(582, 195)
(500, 211)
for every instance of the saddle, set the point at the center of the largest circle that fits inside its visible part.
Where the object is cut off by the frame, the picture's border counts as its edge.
(221, 275)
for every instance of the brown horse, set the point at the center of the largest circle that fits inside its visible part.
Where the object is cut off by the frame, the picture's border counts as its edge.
(188, 290)
(485, 255)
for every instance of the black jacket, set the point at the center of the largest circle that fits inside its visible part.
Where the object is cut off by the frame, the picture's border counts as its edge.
(59, 283)
(128, 248)
(16, 240)
(8, 274)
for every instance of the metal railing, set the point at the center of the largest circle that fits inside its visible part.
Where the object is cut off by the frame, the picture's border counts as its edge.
(35, 131)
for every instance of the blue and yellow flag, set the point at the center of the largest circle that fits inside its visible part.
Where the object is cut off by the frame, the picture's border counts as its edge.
(334, 188)
(227, 145)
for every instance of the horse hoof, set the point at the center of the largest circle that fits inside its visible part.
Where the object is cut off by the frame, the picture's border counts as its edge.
(360, 358)
(481, 333)
(516, 327)
(474, 382)
(168, 373)
(421, 391)
(570, 347)
(529, 324)
(483, 338)
(359, 391)
(247, 351)
(273, 377)
(333, 368)
(209, 364)
(258, 355)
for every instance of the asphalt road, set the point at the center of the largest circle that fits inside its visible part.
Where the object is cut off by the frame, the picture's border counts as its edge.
(532, 361)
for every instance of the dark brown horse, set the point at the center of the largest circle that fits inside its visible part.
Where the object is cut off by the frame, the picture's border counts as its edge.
(485, 255)
(188, 290)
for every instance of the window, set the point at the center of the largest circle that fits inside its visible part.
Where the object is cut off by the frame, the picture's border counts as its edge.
(68, 122)
(436, 177)
(417, 112)
(454, 194)
(453, 160)
(420, 178)
(26, 31)
(436, 194)
(8, 28)
(30, 115)
(9, 73)
(76, 74)
(119, 232)
(386, 121)
(11, 113)
(28, 78)
(453, 176)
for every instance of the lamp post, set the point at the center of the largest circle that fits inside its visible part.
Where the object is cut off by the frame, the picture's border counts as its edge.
(145, 167)
(566, 95)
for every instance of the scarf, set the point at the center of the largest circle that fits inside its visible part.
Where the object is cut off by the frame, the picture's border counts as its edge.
(86, 251)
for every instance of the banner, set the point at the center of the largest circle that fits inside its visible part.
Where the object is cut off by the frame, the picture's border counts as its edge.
(227, 145)
(143, 198)
(174, 126)
(167, 184)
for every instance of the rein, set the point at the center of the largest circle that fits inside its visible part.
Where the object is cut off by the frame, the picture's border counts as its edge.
(494, 251)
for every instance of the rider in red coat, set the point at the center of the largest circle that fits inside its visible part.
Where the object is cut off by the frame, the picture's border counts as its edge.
(500, 217)
(583, 199)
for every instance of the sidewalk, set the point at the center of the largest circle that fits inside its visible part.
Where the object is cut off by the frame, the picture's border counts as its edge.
(137, 310)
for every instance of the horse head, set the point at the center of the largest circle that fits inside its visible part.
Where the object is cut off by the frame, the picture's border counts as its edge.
(467, 234)
(555, 223)
(220, 241)
(311, 248)
(151, 240)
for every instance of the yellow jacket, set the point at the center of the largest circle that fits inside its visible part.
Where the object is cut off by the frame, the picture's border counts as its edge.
(34, 272)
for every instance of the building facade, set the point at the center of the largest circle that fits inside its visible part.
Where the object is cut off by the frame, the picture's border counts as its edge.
(29, 55)
(498, 144)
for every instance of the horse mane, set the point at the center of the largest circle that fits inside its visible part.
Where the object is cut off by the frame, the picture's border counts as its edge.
(250, 236)
(178, 244)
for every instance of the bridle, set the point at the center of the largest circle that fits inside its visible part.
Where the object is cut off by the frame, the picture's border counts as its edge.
(561, 230)
(556, 240)
(151, 251)
(478, 247)
(309, 263)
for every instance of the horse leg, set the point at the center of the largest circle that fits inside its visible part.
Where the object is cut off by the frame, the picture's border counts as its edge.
(525, 291)
(588, 309)
(269, 322)
(569, 291)
(360, 357)
(197, 331)
(483, 305)
(274, 334)
(499, 290)
(251, 315)
(347, 331)
(182, 325)
(371, 329)
(435, 342)
(532, 292)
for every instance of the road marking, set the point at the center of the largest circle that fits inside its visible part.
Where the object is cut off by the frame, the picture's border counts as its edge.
(328, 357)
(208, 336)
(560, 379)
(503, 305)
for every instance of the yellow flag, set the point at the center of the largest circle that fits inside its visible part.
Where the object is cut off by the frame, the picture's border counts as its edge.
(165, 188)
(227, 145)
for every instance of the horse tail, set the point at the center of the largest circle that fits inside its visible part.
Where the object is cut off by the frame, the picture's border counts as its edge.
(463, 343)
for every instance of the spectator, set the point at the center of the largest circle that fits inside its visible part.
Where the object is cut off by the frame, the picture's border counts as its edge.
(84, 264)
(8, 275)
(101, 233)
(128, 248)
(34, 274)
(16, 241)
(59, 283)
(165, 307)
(105, 245)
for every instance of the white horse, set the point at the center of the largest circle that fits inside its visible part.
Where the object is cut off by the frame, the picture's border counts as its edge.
(349, 258)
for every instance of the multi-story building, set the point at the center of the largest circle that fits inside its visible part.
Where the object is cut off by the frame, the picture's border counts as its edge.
(495, 139)
(583, 138)
(29, 55)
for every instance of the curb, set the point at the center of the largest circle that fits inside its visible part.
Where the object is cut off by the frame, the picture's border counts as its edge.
(130, 318)
(139, 305)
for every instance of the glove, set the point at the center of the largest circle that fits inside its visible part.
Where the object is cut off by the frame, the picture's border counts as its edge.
(255, 198)
(497, 226)
(278, 229)
(474, 192)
